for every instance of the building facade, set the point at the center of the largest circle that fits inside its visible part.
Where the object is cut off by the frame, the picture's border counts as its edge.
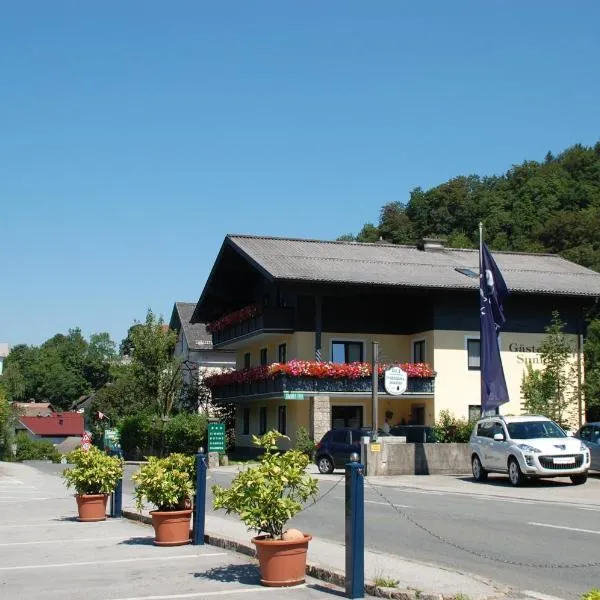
(305, 303)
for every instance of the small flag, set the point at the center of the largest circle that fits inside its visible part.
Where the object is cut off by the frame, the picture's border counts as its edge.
(492, 291)
(101, 415)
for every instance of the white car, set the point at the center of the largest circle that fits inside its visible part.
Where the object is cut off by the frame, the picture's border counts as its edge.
(526, 446)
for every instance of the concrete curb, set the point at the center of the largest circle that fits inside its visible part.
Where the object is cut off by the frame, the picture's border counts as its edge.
(325, 574)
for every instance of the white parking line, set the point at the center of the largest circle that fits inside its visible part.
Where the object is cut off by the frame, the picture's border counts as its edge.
(253, 590)
(378, 502)
(98, 539)
(563, 527)
(90, 563)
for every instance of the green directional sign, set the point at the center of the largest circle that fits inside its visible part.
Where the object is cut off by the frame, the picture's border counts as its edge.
(216, 437)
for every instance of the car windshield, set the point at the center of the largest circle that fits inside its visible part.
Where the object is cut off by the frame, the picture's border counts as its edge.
(528, 430)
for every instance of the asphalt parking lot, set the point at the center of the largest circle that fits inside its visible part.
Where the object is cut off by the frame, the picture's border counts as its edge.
(46, 553)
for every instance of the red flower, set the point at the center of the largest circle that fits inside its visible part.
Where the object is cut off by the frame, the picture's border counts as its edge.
(232, 318)
(319, 370)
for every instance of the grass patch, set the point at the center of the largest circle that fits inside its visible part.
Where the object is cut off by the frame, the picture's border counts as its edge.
(381, 581)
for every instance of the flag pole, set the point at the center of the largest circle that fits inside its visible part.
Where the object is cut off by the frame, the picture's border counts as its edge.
(481, 381)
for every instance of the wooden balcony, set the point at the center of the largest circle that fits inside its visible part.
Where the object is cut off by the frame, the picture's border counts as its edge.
(283, 385)
(271, 320)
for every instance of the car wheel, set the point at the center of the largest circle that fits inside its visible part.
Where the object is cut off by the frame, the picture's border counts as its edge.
(479, 473)
(515, 475)
(325, 464)
(579, 479)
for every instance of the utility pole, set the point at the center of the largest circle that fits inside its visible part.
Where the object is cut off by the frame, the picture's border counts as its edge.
(375, 386)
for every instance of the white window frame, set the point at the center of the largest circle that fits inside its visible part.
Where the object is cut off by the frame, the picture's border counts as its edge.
(467, 339)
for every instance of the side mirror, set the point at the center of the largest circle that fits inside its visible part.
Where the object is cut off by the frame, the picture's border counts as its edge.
(498, 437)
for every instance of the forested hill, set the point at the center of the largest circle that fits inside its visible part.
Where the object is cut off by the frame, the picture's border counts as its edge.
(550, 206)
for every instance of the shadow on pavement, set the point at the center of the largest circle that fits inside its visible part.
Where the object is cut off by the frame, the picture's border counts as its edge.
(247, 574)
(66, 519)
(530, 482)
(138, 541)
(321, 587)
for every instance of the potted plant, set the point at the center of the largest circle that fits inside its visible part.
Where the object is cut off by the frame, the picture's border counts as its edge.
(94, 475)
(265, 497)
(168, 483)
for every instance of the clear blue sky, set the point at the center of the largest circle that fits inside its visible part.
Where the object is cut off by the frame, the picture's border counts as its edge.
(135, 134)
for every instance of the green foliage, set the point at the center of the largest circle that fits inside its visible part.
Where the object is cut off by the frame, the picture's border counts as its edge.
(94, 472)
(449, 428)
(304, 443)
(185, 433)
(7, 420)
(168, 483)
(158, 377)
(552, 391)
(141, 436)
(593, 594)
(268, 495)
(591, 386)
(145, 435)
(32, 449)
(59, 371)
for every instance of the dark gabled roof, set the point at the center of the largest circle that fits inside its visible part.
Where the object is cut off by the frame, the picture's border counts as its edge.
(407, 266)
(195, 333)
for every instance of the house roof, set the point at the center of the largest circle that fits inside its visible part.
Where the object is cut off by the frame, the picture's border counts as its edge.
(33, 409)
(195, 333)
(408, 266)
(55, 425)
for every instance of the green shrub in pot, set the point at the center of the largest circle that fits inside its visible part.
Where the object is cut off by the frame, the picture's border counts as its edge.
(168, 482)
(93, 471)
(268, 495)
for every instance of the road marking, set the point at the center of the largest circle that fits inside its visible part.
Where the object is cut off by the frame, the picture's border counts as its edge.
(378, 502)
(563, 527)
(100, 539)
(228, 592)
(90, 563)
(21, 499)
(539, 595)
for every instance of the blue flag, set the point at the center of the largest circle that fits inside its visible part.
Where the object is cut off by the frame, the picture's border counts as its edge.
(492, 291)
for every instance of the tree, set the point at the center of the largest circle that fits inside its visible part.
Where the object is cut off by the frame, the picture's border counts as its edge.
(592, 371)
(158, 376)
(552, 391)
(7, 419)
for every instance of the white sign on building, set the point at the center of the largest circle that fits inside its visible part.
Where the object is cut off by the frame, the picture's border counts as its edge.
(395, 381)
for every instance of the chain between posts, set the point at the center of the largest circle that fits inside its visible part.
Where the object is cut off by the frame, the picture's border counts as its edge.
(318, 499)
(490, 557)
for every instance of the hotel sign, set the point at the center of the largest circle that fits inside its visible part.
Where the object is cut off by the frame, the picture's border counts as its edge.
(395, 381)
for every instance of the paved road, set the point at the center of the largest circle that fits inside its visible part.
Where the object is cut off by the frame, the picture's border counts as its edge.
(535, 538)
(46, 554)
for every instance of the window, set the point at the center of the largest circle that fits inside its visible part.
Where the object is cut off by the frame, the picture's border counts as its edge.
(247, 360)
(282, 353)
(419, 351)
(246, 421)
(473, 354)
(282, 419)
(263, 356)
(340, 437)
(346, 352)
(262, 420)
(474, 412)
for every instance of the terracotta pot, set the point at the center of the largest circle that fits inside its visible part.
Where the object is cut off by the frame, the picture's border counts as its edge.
(282, 563)
(171, 528)
(91, 507)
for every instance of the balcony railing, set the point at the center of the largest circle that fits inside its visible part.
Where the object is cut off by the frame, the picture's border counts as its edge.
(276, 386)
(271, 319)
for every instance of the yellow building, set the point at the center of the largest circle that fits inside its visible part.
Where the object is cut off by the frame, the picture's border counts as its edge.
(305, 303)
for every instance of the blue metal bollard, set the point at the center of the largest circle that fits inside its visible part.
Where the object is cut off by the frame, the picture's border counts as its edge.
(355, 531)
(200, 504)
(116, 501)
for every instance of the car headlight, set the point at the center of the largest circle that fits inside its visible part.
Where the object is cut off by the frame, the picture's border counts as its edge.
(527, 448)
(583, 447)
